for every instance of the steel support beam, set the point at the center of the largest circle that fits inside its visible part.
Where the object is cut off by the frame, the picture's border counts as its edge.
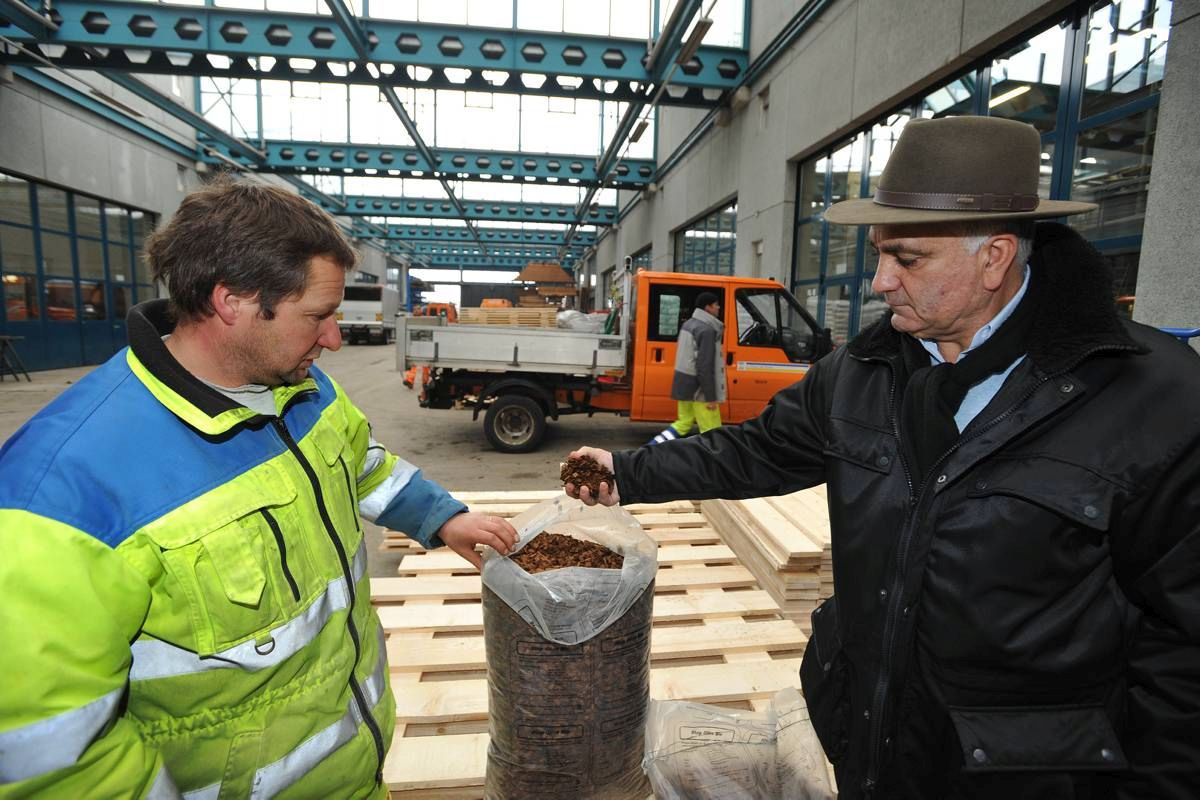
(473, 262)
(490, 210)
(289, 157)
(236, 43)
(491, 236)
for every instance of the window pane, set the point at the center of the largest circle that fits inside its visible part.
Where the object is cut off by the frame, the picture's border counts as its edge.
(1126, 51)
(810, 297)
(16, 250)
(883, 140)
(143, 224)
(52, 209)
(808, 252)
(121, 301)
(60, 300)
(14, 200)
(117, 221)
(1026, 80)
(56, 255)
(1046, 171)
(91, 258)
(955, 99)
(708, 245)
(94, 306)
(118, 263)
(846, 171)
(837, 312)
(146, 292)
(87, 216)
(1112, 168)
(20, 297)
(812, 188)
(843, 250)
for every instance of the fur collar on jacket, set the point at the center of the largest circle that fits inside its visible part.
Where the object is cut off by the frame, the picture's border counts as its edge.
(1071, 289)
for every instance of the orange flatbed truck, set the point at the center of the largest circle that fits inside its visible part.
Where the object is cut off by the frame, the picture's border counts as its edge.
(520, 377)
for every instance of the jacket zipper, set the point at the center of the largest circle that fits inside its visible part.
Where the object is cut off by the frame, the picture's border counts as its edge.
(894, 602)
(287, 573)
(360, 698)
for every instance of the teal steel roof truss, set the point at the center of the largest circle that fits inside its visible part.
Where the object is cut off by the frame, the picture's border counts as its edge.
(235, 43)
(491, 211)
(489, 236)
(290, 157)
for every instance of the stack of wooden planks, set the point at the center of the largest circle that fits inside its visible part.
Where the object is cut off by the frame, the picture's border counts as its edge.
(543, 317)
(784, 541)
(717, 638)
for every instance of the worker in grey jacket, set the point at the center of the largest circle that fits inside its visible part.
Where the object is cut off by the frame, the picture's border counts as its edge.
(699, 384)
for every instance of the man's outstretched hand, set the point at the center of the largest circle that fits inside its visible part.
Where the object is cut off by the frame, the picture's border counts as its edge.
(609, 496)
(463, 531)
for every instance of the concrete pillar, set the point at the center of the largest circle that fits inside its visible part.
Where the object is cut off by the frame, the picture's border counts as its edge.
(1168, 285)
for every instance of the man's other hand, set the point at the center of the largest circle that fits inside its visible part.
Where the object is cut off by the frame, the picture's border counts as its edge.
(712, 406)
(463, 531)
(609, 496)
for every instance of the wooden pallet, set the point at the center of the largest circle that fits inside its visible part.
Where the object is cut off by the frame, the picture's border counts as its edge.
(544, 317)
(717, 638)
(784, 542)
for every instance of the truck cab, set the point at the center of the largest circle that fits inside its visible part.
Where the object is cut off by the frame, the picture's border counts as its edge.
(770, 341)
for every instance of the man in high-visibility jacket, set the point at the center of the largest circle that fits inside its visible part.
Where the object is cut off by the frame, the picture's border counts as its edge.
(184, 602)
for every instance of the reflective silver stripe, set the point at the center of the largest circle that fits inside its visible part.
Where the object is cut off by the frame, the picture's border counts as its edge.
(154, 658)
(163, 787)
(210, 792)
(376, 455)
(279, 775)
(371, 506)
(54, 743)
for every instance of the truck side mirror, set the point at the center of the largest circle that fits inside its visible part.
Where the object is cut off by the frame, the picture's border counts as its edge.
(822, 343)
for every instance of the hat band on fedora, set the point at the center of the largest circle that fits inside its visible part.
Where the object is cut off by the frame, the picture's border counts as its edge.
(945, 201)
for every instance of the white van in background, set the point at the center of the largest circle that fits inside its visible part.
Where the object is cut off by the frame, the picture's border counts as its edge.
(368, 313)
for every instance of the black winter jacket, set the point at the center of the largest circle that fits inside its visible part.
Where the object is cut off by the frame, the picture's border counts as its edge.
(1027, 625)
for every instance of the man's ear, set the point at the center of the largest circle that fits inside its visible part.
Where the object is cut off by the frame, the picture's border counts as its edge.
(999, 250)
(229, 306)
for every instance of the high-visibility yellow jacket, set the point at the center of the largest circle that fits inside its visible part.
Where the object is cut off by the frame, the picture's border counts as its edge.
(184, 601)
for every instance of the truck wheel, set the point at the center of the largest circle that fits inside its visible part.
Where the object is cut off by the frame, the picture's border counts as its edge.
(514, 424)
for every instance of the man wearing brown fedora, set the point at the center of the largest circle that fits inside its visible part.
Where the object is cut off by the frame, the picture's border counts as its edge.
(1013, 475)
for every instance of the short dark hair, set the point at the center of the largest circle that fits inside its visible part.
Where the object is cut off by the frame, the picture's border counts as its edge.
(706, 299)
(253, 238)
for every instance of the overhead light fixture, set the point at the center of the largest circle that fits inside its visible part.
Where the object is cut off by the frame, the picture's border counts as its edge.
(688, 51)
(1000, 99)
(639, 130)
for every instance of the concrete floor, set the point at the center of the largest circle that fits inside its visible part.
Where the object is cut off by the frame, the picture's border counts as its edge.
(447, 445)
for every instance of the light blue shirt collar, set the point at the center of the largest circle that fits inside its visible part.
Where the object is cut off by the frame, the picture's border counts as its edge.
(984, 333)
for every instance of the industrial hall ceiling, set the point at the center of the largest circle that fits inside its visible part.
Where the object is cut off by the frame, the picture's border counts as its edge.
(457, 134)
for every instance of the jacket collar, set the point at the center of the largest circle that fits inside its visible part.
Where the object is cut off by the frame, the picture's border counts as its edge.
(708, 319)
(185, 395)
(1073, 316)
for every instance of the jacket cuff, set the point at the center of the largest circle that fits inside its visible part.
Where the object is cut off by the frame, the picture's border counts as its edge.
(622, 466)
(420, 510)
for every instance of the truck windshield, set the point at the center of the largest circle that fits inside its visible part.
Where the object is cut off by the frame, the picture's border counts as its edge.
(773, 318)
(369, 293)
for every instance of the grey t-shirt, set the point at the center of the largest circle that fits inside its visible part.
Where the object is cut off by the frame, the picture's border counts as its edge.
(253, 396)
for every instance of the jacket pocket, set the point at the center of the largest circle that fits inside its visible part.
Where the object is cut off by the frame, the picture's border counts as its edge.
(1037, 739)
(229, 568)
(1060, 487)
(824, 678)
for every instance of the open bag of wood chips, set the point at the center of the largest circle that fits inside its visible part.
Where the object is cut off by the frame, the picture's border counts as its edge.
(568, 654)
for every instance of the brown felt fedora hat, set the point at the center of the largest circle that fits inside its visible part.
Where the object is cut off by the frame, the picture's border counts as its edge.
(957, 169)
